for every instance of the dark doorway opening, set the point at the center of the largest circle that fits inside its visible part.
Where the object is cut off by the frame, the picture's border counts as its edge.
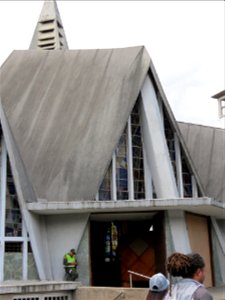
(136, 244)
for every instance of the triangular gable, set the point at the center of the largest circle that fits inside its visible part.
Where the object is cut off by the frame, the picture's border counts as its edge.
(66, 111)
(183, 172)
(206, 145)
(174, 127)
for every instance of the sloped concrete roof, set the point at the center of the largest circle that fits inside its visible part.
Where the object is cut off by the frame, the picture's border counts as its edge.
(47, 104)
(206, 146)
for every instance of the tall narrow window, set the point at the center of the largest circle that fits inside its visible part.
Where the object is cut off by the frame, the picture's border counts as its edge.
(169, 133)
(187, 177)
(125, 175)
(13, 219)
(13, 260)
(185, 171)
(137, 150)
(121, 168)
(105, 187)
(17, 261)
(32, 270)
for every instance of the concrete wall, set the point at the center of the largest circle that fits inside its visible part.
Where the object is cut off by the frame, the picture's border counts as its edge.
(106, 293)
(218, 254)
(83, 293)
(65, 232)
(37, 289)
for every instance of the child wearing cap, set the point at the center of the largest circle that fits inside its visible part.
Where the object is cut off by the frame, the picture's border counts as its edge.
(158, 287)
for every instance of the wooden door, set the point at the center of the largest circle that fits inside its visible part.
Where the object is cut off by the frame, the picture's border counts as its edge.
(198, 232)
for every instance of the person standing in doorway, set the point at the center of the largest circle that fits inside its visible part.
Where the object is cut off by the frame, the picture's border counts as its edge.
(158, 287)
(191, 268)
(70, 265)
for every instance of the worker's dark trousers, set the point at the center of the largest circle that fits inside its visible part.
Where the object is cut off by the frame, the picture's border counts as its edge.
(71, 274)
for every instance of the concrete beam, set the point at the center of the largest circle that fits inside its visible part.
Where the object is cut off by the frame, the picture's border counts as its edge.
(204, 206)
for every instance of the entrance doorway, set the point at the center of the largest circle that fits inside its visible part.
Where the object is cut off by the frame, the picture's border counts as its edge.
(120, 243)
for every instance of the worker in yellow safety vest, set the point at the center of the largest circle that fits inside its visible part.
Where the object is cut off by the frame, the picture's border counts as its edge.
(70, 265)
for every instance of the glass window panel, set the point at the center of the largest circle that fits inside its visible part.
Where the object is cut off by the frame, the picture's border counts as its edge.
(169, 134)
(105, 187)
(13, 219)
(13, 261)
(121, 164)
(137, 150)
(32, 270)
(121, 168)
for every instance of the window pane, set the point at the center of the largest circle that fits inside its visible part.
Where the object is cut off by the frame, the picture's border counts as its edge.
(13, 225)
(137, 149)
(121, 168)
(105, 187)
(13, 261)
(32, 270)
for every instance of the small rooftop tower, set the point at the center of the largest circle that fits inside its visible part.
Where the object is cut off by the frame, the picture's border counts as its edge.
(221, 104)
(49, 33)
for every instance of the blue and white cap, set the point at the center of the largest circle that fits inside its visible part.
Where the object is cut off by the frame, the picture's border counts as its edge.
(158, 283)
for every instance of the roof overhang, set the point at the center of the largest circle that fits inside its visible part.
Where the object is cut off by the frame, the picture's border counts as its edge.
(219, 95)
(203, 206)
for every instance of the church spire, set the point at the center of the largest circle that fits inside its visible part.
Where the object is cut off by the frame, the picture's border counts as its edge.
(49, 33)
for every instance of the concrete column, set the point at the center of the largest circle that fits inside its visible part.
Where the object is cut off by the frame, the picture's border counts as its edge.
(34, 224)
(157, 156)
(3, 174)
(157, 153)
(179, 231)
(113, 182)
(64, 232)
(130, 161)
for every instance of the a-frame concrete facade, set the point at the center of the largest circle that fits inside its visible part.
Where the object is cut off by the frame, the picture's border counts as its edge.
(61, 141)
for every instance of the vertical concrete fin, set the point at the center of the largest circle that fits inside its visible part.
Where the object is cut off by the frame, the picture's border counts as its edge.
(158, 158)
(49, 33)
(157, 153)
(35, 225)
(179, 232)
(71, 227)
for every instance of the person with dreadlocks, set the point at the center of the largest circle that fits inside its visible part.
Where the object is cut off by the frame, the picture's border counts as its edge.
(191, 268)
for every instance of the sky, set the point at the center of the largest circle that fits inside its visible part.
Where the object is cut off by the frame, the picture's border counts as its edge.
(185, 40)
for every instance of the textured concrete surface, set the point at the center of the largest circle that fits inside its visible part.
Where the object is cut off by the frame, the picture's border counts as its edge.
(49, 20)
(33, 286)
(66, 111)
(107, 293)
(206, 146)
(205, 206)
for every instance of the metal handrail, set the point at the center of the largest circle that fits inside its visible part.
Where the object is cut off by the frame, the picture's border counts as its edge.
(137, 274)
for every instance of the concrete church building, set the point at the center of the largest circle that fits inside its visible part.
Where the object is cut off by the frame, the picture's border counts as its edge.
(92, 158)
